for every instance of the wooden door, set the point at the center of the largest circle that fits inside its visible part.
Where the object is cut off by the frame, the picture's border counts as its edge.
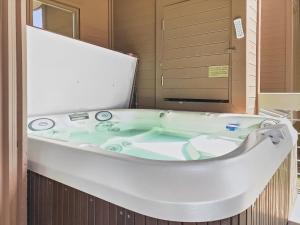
(194, 52)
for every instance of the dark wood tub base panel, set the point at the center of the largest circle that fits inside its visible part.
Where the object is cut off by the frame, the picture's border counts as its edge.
(53, 203)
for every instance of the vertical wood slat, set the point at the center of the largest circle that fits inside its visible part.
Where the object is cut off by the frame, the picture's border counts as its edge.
(141, 220)
(36, 201)
(41, 201)
(59, 199)
(189, 224)
(72, 209)
(235, 220)
(65, 206)
(153, 221)
(13, 160)
(226, 222)
(129, 217)
(83, 208)
(112, 214)
(55, 204)
(91, 210)
(29, 190)
(175, 223)
(120, 216)
(249, 216)
(163, 222)
(243, 218)
(49, 201)
(52, 203)
(102, 212)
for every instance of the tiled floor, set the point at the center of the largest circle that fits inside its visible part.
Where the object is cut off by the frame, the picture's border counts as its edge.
(295, 216)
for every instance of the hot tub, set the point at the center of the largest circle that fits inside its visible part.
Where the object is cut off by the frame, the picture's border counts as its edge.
(175, 166)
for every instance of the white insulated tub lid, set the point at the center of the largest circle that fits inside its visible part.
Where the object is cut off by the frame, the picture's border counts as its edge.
(67, 75)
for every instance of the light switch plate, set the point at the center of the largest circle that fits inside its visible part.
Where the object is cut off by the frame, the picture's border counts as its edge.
(239, 31)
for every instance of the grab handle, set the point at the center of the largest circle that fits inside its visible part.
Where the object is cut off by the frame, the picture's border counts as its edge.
(276, 134)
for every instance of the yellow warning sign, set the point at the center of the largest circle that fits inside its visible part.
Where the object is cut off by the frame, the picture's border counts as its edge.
(218, 71)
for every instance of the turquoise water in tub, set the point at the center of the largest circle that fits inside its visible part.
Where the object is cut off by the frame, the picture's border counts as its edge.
(158, 139)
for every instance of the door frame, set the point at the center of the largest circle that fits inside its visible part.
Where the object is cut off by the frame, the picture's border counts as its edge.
(13, 161)
(289, 58)
(292, 44)
(61, 6)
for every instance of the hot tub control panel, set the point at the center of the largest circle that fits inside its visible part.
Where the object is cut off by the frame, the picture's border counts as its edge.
(79, 116)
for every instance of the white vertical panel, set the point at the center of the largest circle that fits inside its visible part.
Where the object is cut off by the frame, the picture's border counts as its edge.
(281, 101)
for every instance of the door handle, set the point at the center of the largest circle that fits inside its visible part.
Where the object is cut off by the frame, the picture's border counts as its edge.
(230, 50)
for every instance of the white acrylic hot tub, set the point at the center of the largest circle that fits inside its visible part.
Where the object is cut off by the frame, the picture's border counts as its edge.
(178, 166)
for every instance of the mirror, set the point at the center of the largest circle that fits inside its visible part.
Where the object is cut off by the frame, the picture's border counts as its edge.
(55, 17)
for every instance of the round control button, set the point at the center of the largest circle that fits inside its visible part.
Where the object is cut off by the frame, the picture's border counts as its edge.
(41, 124)
(103, 116)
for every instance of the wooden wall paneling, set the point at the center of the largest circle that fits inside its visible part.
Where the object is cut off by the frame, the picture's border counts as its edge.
(276, 45)
(237, 80)
(12, 137)
(95, 20)
(270, 208)
(134, 31)
(137, 28)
